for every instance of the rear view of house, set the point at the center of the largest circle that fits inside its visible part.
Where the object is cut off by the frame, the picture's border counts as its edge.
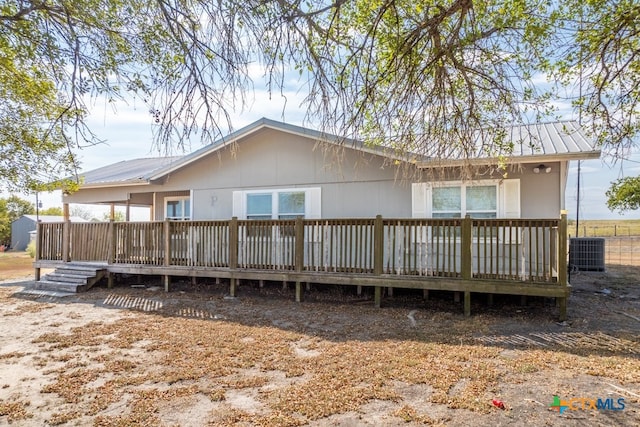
(274, 201)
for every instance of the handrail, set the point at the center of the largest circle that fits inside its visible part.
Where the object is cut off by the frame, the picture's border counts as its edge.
(530, 250)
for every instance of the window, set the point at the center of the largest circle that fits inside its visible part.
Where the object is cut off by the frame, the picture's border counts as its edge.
(479, 199)
(177, 208)
(457, 201)
(277, 204)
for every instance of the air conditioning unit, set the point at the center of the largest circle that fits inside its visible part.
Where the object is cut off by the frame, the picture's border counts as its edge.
(586, 253)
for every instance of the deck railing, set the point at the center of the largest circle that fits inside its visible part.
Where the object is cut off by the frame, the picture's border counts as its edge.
(501, 249)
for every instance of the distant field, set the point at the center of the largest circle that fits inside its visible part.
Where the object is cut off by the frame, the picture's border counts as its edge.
(605, 228)
(15, 265)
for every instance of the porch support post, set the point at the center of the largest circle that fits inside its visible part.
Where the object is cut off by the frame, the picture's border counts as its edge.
(127, 214)
(467, 303)
(38, 246)
(167, 251)
(109, 280)
(66, 238)
(378, 257)
(299, 254)
(562, 266)
(377, 296)
(299, 293)
(233, 253)
(112, 212)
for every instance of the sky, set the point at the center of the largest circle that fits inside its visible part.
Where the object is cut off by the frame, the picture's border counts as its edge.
(127, 133)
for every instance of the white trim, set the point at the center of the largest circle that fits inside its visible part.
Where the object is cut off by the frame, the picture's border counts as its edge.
(312, 200)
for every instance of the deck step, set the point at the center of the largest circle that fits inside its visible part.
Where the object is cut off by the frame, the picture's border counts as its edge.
(48, 285)
(71, 278)
(68, 278)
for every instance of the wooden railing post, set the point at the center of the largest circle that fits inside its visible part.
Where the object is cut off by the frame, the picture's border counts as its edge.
(111, 235)
(378, 256)
(466, 240)
(167, 252)
(66, 240)
(467, 263)
(299, 254)
(233, 252)
(562, 265)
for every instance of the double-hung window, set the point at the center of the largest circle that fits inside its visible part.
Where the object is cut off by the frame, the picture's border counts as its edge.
(285, 203)
(478, 199)
(177, 208)
(275, 205)
(457, 201)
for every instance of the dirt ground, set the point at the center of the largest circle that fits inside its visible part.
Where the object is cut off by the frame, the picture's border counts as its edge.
(135, 355)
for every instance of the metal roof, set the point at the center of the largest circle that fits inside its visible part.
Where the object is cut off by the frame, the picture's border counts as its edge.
(556, 140)
(53, 218)
(559, 140)
(136, 171)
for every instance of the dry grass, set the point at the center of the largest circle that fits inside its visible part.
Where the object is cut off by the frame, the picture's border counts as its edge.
(215, 356)
(15, 265)
(605, 228)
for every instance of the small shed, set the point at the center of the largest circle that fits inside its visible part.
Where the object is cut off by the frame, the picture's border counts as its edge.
(21, 227)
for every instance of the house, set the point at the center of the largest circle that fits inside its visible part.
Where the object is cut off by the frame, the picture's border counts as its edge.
(21, 227)
(274, 201)
(275, 170)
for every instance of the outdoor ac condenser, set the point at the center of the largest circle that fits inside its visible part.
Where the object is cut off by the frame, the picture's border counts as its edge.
(586, 253)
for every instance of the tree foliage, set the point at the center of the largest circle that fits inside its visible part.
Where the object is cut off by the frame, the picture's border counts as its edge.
(12, 208)
(624, 194)
(425, 76)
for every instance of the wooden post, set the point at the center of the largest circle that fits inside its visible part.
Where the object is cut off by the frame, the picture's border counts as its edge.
(38, 247)
(425, 294)
(66, 241)
(489, 300)
(467, 303)
(112, 243)
(233, 252)
(109, 280)
(65, 212)
(299, 254)
(378, 256)
(377, 296)
(299, 291)
(562, 266)
(127, 214)
(167, 252)
(466, 247)
(112, 212)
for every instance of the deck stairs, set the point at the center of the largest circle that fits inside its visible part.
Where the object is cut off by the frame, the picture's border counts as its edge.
(72, 277)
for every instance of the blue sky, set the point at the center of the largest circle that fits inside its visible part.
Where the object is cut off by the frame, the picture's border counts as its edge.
(128, 134)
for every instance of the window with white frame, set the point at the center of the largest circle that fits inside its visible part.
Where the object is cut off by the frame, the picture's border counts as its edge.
(277, 203)
(457, 201)
(177, 208)
(479, 199)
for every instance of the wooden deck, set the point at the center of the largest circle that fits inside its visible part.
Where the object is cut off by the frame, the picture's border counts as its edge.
(491, 256)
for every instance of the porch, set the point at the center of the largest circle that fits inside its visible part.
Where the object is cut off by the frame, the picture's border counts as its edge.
(464, 255)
